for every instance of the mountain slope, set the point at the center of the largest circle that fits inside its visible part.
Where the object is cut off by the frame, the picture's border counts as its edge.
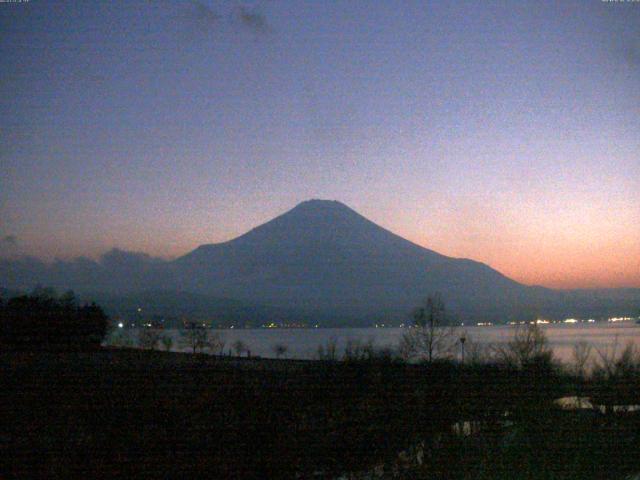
(324, 256)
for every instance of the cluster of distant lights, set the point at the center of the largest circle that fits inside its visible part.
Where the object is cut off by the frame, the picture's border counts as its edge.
(204, 325)
(286, 325)
(539, 321)
(121, 325)
(542, 321)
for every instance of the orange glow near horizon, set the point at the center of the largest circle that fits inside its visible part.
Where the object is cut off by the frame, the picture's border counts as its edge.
(575, 256)
(571, 244)
(614, 265)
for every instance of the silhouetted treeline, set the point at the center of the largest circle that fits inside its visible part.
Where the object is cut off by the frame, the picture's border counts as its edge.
(43, 321)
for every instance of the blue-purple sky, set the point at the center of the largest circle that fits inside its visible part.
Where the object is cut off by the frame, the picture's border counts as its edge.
(507, 132)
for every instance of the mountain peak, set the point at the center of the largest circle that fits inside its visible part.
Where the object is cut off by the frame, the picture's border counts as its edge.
(322, 214)
(320, 204)
(313, 219)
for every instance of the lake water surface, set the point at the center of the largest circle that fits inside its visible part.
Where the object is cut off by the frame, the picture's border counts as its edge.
(303, 343)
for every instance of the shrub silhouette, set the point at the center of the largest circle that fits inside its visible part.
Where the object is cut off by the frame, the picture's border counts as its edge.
(41, 321)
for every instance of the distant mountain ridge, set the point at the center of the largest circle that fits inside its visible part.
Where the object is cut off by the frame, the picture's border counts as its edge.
(325, 262)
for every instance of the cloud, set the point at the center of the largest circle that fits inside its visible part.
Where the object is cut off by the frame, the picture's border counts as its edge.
(8, 247)
(252, 20)
(116, 271)
(202, 13)
(116, 258)
(10, 240)
(632, 53)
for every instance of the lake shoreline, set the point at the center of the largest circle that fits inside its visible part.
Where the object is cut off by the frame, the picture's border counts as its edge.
(304, 343)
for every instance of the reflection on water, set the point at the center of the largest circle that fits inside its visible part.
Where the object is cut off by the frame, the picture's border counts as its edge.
(303, 343)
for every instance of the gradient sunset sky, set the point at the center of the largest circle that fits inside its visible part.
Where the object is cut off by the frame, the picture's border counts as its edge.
(505, 132)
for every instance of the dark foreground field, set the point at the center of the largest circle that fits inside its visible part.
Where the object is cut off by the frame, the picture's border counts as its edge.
(141, 414)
